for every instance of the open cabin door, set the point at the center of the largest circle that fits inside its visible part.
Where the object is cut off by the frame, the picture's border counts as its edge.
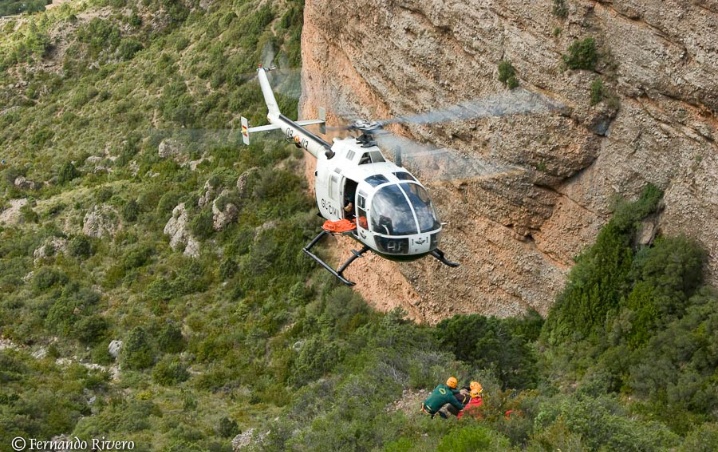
(349, 196)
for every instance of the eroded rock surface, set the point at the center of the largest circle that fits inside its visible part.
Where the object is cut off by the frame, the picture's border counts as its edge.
(516, 235)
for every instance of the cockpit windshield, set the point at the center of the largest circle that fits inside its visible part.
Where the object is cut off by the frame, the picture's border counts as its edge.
(396, 209)
(425, 213)
(391, 213)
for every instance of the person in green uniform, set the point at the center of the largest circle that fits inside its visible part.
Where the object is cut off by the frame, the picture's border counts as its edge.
(443, 395)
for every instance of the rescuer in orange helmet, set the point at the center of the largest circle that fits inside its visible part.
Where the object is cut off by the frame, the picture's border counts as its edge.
(444, 395)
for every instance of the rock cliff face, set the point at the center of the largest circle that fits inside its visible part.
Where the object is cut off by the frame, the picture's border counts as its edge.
(516, 235)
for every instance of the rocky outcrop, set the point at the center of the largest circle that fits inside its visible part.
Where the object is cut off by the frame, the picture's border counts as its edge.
(177, 228)
(172, 149)
(51, 247)
(102, 221)
(245, 181)
(11, 213)
(516, 234)
(209, 191)
(25, 184)
(223, 211)
(114, 348)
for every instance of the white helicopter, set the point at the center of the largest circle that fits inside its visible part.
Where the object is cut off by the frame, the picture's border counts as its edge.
(390, 211)
(384, 207)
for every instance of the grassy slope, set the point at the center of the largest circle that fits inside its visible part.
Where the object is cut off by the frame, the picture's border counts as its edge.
(71, 89)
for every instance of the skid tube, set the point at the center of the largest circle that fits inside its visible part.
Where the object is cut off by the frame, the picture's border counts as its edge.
(437, 253)
(339, 273)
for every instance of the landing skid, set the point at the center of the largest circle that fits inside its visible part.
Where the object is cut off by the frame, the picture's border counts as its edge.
(437, 253)
(339, 273)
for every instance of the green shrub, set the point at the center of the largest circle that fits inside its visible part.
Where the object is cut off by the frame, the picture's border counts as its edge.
(473, 438)
(602, 423)
(202, 225)
(89, 330)
(560, 9)
(491, 343)
(703, 439)
(47, 277)
(168, 202)
(667, 275)
(42, 136)
(80, 247)
(137, 257)
(182, 43)
(317, 356)
(170, 371)
(104, 194)
(227, 269)
(228, 428)
(170, 339)
(137, 352)
(597, 91)
(67, 173)
(130, 211)
(29, 215)
(99, 34)
(507, 74)
(601, 276)
(61, 317)
(128, 48)
(582, 55)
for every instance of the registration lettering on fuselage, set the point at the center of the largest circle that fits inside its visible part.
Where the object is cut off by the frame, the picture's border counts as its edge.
(329, 207)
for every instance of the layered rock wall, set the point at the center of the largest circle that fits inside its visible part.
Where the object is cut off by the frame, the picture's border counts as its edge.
(516, 234)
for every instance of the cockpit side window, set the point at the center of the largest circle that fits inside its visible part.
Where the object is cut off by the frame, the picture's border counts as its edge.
(371, 157)
(376, 180)
(403, 175)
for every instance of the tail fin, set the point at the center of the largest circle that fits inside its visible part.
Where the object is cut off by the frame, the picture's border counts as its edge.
(245, 130)
(269, 99)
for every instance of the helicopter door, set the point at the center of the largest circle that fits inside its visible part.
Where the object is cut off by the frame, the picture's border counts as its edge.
(334, 187)
(350, 191)
(361, 213)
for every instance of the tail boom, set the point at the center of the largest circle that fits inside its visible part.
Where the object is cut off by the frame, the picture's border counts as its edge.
(293, 130)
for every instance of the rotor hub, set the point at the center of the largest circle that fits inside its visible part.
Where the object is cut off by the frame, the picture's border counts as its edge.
(367, 126)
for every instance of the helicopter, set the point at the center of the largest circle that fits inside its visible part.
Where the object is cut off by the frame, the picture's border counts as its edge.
(375, 201)
(389, 212)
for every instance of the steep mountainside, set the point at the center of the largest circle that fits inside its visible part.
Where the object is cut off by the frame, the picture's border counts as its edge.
(643, 110)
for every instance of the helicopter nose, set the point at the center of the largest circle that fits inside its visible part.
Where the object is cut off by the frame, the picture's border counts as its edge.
(420, 243)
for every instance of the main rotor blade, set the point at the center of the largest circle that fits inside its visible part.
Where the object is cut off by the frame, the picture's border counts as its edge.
(443, 164)
(517, 101)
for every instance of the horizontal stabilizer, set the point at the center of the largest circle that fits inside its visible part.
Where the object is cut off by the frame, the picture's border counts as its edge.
(246, 130)
(263, 128)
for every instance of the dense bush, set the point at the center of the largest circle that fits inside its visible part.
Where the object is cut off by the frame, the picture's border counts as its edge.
(507, 74)
(601, 276)
(47, 277)
(170, 371)
(582, 55)
(170, 339)
(597, 91)
(130, 211)
(67, 173)
(560, 9)
(12, 7)
(495, 344)
(137, 351)
(99, 35)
